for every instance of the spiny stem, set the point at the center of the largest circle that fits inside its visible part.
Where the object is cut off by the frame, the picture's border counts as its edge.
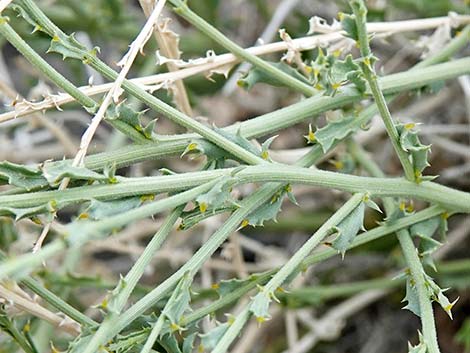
(183, 10)
(360, 12)
(410, 253)
(429, 191)
(290, 267)
(11, 36)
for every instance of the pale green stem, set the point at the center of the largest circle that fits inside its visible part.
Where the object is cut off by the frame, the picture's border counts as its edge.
(428, 191)
(411, 257)
(360, 13)
(11, 36)
(289, 268)
(85, 231)
(183, 10)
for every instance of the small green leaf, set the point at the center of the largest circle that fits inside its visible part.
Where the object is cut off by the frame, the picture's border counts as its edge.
(420, 347)
(335, 131)
(255, 75)
(265, 147)
(210, 339)
(22, 176)
(349, 25)
(128, 121)
(54, 172)
(191, 218)
(102, 209)
(188, 343)
(425, 231)
(409, 142)
(348, 228)
(27, 212)
(411, 297)
(68, 47)
(266, 212)
(169, 343)
(178, 304)
(239, 140)
(218, 196)
(260, 305)
(228, 286)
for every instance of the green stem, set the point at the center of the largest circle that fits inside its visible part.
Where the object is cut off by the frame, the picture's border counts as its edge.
(11, 36)
(360, 12)
(54, 300)
(285, 271)
(81, 232)
(133, 276)
(184, 11)
(411, 257)
(323, 255)
(428, 191)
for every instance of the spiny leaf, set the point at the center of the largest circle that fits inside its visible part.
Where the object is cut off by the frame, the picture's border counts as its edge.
(371, 204)
(22, 176)
(411, 297)
(349, 25)
(425, 231)
(266, 212)
(218, 196)
(125, 343)
(420, 347)
(54, 172)
(102, 209)
(169, 343)
(347, 70)
(188, 343)
(256, 75)
(191, 218)
(228, 286)
(409, 142)
(260, 305)
(178, 303)
(210, 339)
(265, 147)
(20, 213)
(437, 294)
(67, 46)
(348, 228)
(239, 140)
(335, 131)
(128, 121)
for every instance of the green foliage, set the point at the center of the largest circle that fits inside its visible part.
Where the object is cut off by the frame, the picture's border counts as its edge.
(347, 230)
(100, 201)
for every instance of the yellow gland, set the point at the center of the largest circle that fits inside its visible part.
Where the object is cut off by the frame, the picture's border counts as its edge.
(311, 136)
(175, 327)
(265, 155)
(27, 327)
(144, 198)
(260, 319)
(245, 222)
(338, 164)
(203, 207)
(215, 286)
(192, 146)
(410, 126)
(336, 85)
